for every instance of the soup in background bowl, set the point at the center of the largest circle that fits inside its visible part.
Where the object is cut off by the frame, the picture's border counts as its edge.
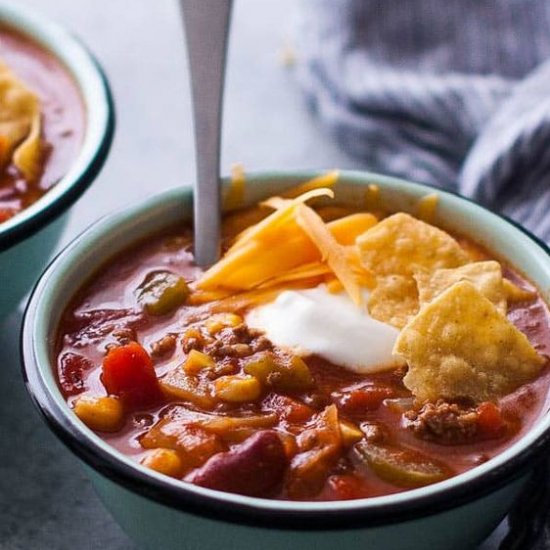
(56, 126)
(393, 496)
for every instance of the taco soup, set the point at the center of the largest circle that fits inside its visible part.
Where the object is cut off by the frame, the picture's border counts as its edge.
(332, 353)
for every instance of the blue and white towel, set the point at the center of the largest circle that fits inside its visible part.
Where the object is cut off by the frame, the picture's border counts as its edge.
(453, 93)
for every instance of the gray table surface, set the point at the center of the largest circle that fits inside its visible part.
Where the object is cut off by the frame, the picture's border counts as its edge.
(46, 501)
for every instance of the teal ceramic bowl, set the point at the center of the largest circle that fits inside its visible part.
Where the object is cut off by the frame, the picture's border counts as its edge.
(28, 239)
(160, 512)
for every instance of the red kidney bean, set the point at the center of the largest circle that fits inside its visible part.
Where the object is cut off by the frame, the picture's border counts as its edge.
(254, 468)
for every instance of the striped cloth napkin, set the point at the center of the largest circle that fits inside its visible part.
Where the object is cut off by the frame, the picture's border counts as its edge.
(452, 93)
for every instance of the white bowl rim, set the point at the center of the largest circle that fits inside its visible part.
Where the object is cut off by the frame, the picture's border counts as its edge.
(96, 95)
(513, 463)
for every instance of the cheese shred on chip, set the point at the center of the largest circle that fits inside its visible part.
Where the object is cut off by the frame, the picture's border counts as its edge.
(460, 346)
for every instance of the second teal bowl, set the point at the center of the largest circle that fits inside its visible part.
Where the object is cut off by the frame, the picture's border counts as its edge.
(28, 240)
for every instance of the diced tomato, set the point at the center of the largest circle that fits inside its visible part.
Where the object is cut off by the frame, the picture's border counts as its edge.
(343, 487)
(363, 399)
(128, 372)
(491, 423)
(296, 412)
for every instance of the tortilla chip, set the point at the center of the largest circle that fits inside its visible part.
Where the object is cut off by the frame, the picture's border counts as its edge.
(394, 300)
(517, 294)
(485, 276)
(27, 157)
(19, 120)
(403, 245)
(460, 346)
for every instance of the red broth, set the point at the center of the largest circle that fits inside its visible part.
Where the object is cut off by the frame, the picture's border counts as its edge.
(63, 118)
(107, 306)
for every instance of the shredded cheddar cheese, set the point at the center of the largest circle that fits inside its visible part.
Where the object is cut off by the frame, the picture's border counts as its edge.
(292, 245)
(273, 222)
(322, 181)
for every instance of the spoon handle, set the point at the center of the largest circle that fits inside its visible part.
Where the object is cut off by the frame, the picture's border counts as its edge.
(206, 28)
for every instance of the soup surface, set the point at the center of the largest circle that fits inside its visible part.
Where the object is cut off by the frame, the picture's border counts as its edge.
(62, 121)
(176, 369)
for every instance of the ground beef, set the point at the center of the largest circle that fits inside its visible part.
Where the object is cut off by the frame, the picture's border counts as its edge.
(374, 432)
(443, 422)
(90, 327)
(238, 342)
(163, 346)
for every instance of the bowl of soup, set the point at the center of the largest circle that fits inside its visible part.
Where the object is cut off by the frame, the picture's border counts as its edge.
(56, 126)
(366, 365)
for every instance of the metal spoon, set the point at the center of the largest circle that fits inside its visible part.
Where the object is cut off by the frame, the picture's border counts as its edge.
(206, 28)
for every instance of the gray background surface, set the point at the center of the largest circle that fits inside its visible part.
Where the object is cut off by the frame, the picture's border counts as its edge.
(46, 501)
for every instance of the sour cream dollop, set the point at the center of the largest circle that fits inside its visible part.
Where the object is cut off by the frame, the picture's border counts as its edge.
(314, 321)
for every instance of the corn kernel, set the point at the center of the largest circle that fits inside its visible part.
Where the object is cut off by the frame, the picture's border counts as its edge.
(350, 433)
(221, 321)
(196, 361)
(192, 332)
(164, 461)
(104, 414)
(237, 389)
